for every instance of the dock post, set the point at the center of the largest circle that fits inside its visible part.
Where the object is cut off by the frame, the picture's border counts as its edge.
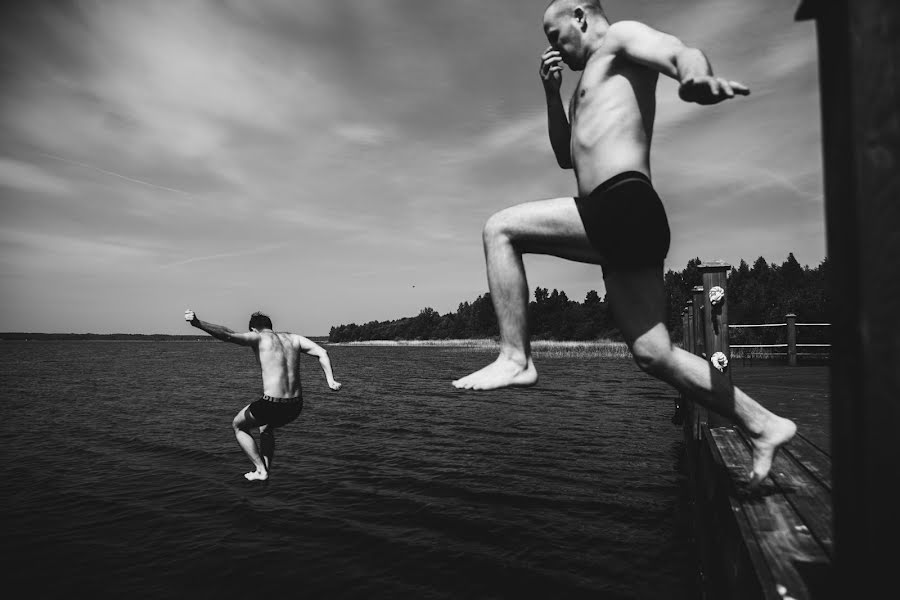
(715, 324)
(689, 327)
(697, 320)
(791, 320)
(715, 309)
(859, 96)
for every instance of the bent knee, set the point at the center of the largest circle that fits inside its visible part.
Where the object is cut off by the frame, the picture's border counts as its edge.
(653, 357)
(497, 226)
(239, 423)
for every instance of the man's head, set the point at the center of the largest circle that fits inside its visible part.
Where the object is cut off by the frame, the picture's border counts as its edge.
(575, 28)
(259, 321)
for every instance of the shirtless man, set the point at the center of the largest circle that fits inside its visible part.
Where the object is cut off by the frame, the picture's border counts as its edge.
(617, 220)
(278, 355)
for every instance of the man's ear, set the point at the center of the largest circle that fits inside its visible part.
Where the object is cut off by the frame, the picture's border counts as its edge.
(579, 16)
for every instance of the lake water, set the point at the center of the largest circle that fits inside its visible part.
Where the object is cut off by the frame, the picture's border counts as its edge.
(123, 478)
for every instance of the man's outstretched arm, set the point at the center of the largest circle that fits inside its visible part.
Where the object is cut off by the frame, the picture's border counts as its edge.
(557, 122)
(668, 55)
(313, 349)
(221, 332)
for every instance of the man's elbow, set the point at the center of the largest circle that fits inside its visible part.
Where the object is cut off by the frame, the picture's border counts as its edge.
(691, 60)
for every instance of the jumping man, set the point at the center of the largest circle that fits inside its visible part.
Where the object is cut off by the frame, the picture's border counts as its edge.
(278, 356)
(617, 220)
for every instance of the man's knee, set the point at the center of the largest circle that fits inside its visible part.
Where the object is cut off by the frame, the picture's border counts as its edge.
(496, 227)
(653, 356)
(240, 422)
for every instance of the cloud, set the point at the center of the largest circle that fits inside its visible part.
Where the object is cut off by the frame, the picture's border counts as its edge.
(248, 252)
(113, 174)
(360, 144)
(35, 250)
(30, 178)
(361, 133)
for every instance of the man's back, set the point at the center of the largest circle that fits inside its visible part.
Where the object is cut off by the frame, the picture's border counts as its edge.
(278, 354)
(611, 115)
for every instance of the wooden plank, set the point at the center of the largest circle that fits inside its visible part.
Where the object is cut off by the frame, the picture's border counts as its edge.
(772, 523)
(859, 75)
(738, 558)
(808, 9)
(809, 497)
(812, 458)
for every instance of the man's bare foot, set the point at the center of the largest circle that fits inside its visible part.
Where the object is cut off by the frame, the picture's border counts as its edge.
(779, 432)
(257, 475)
(503, 372)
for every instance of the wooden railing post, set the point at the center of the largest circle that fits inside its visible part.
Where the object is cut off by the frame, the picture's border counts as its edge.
(715, 317)
(791, 320)
(715, 324)
(697, 320)
(689, 326)
(859, 92)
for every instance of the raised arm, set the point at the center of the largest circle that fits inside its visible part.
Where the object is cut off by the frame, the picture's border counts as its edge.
(557, 122)
(313, 349)
(220, 332)
(668, 55)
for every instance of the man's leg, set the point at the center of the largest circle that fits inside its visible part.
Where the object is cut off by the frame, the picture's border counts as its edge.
(242, 424)
(544, 227)
(637, 301)
(267, 444)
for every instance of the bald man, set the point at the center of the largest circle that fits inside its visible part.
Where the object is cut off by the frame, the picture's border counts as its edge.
(617, 221)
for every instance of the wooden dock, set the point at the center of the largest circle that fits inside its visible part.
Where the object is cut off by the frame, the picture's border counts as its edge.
(776, 541)
(784, 537)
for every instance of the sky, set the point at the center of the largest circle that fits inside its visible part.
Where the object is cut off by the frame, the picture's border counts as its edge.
(334, 161)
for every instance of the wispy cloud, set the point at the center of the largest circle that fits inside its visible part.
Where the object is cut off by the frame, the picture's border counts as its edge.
(118, 175)
(353, 145)
(248, 252)
(30, 178)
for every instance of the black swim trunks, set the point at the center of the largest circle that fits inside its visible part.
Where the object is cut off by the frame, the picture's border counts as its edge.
(275, 412)
(626, 222)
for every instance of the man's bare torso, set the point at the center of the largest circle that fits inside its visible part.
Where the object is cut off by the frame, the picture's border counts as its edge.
(278, 354)
(611, 116)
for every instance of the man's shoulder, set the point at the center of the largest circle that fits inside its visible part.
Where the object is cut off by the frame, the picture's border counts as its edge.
(294, 338)
(620, 32)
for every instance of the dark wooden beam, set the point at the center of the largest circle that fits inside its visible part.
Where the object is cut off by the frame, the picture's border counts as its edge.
(808, 9)
(859, 75)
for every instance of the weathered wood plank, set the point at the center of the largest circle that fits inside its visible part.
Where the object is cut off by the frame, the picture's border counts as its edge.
(771, 522)
(809, 497)
(732, 568)
(859, 75)
(812, 458)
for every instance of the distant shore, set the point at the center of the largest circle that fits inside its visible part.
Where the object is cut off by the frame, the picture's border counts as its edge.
(602, 348)
(117, 337)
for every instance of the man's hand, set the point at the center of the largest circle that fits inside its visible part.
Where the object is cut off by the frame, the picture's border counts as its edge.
(334, 385)
(551, 69)
(707, 89)
(190, 317)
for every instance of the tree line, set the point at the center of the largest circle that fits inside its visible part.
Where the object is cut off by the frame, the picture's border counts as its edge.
(762, 293)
